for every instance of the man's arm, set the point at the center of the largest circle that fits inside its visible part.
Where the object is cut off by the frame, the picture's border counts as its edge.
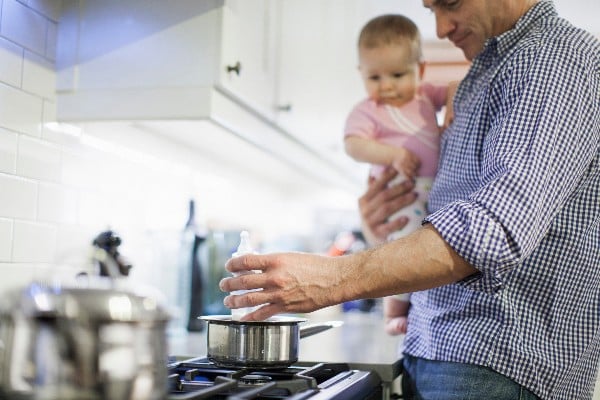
(301, 282)
(419, 261)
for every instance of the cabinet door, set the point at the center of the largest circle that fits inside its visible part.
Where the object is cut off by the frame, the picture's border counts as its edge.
(248, 56)
(319, 80)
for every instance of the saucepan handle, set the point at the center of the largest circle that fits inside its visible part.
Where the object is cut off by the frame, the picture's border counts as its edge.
(313, 329)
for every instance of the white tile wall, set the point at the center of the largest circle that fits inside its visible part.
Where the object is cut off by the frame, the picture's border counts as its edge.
(24, 26)
(38, 160)
(6, 227)
(38, 75)
(57, 203)
(19, 197)
(20, 111)
(51, 39)
(8, 151)
(33, 242)
(48, 8)
(11, 62)
(16, 275)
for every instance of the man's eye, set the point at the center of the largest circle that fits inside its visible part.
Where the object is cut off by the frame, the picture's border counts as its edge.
(445, 4)
(451, 4)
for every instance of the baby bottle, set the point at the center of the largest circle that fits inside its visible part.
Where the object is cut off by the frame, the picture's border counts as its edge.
(416, 211)
(244, 248)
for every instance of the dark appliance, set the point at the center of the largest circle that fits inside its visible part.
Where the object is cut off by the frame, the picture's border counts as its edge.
(198, 378)
(204, 257)
(213, 254)
(196, 307)
(110, 241)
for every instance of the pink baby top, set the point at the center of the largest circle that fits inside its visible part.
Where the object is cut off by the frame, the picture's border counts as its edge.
(412, 126)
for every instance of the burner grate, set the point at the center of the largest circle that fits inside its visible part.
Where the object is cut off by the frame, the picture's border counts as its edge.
(197, 379)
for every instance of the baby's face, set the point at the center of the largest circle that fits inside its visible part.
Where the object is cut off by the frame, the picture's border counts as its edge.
(390, 73)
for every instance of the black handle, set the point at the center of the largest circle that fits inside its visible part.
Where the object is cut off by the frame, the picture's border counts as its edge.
(284, 107)
(309, 330)
(235, 68)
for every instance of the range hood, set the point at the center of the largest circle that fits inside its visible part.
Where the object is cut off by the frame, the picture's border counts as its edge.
(159, 65)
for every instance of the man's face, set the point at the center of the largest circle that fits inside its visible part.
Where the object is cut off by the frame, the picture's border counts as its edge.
(469, 23)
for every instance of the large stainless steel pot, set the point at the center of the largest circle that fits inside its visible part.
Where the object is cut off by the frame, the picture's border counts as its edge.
(268, 344)
(86, 341)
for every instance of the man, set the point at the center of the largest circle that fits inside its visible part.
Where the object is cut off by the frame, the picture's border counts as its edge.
(508, 261)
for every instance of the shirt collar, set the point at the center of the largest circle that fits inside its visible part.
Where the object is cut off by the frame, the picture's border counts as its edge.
(505, 41)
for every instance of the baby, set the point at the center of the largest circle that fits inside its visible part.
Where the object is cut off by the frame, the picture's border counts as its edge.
(396, 126)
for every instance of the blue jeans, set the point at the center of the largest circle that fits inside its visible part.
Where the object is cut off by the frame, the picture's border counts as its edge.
(438, 380)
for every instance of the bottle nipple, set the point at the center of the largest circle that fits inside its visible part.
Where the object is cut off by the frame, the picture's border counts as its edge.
(244, 247)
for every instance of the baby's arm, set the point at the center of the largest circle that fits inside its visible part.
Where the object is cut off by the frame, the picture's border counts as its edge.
(373, 152)
(395, 312)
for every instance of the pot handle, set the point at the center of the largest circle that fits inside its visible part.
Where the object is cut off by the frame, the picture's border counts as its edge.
(313, 329)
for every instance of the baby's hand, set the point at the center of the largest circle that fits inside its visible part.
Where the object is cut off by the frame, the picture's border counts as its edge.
(396, 326)
(448, 119)
(406, 162)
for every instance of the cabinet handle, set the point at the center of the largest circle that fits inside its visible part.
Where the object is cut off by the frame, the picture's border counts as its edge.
(284, 107)
(235, 68)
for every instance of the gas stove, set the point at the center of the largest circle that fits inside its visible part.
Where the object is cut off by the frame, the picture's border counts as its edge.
(198, 378)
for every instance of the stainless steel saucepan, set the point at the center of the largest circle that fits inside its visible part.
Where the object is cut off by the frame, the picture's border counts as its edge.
(268, 344)
(89, 341)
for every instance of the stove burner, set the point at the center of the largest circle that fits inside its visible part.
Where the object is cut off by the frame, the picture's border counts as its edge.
(253, 379)
(198, 379)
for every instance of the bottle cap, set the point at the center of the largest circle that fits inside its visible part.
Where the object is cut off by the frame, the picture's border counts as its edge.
(245, 247)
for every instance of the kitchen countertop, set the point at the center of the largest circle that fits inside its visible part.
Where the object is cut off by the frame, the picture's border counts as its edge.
(360, 342)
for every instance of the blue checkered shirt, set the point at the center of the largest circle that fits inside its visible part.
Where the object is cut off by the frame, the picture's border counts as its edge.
(517, 195)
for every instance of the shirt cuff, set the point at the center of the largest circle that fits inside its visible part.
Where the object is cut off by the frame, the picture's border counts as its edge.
(479, 240)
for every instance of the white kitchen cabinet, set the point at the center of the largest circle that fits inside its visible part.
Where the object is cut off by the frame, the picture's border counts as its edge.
(318, 81)
(149, 59)
(249, 52)
(175, 63)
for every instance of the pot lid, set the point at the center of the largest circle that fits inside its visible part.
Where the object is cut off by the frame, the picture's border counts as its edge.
(275, 320)
(93, 300)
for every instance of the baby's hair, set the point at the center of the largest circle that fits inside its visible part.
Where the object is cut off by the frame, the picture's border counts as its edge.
(390, 29)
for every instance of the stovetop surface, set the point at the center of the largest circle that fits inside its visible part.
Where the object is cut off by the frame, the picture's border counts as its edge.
(198, 378)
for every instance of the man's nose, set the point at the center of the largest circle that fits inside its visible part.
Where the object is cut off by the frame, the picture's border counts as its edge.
(443, 25)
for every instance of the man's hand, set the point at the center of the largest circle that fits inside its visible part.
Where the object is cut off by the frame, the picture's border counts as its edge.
(379, 202)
